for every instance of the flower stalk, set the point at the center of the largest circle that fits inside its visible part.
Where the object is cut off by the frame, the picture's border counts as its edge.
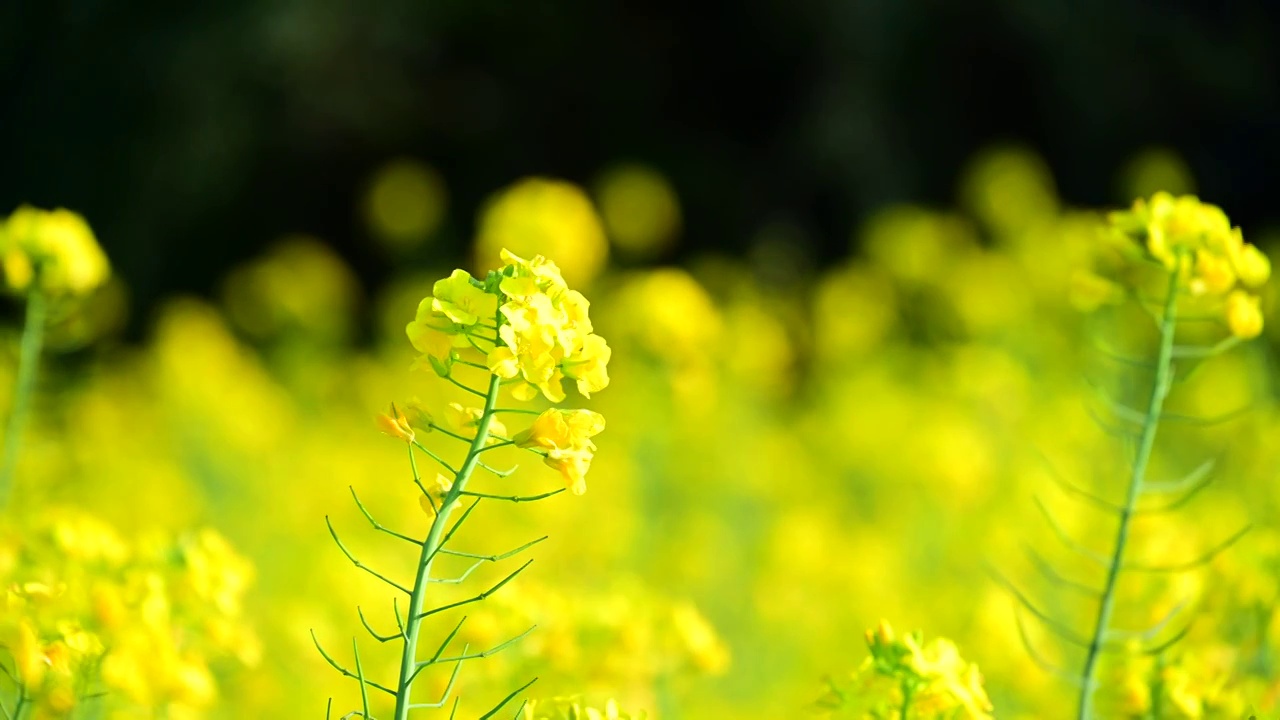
(1142, 457)
(431, 547)
(23, 388)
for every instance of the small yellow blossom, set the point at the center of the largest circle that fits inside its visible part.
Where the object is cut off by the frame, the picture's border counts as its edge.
(1252, 266)
(436, 492)
(565, 436)
(419, 417)
(459, 298)
(1244, 314)
(460, 417)
(396, 425)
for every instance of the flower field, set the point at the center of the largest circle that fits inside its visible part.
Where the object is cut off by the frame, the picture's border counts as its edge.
(1008, 458)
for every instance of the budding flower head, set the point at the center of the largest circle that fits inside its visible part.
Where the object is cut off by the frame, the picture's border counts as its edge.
(1212, 262)
(395, 424)
(531, 328)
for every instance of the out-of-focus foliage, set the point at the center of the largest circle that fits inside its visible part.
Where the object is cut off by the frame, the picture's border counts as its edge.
(789, 457)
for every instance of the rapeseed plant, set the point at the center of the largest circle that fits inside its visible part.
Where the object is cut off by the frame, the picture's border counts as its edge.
(523, 330)
(1180, 261)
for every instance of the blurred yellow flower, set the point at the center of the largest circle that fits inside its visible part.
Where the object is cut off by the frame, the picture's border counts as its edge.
(640, 209)
(52, 248)
(1153, 170)
(1244, 314)
(405, 203)
(541, 216)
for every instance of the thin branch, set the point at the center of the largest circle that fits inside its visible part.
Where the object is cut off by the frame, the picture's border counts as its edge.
(1047, 570)
(334, 664)
(465, 386)
(449, 535)
(452, 470)
(1060, 629)
(1109, 428)
(1038, 659)
(1117, 408)
(420, 666)
(479, 597)
(1067, 540)
(376, 636)
(1191, 564)
(362, 566)
(1180, 501)
(1210, 420)
(1153, 631)
(495, 471)
(461, 578)
(1112, 354)
(364, 687)
(395, 609)
(514, 498)
(377, 525)
(1174, 640)
(477, 656)
(452, 434)
(1197, 475)
(448, 689)
(495, 558)
(507, 699)
(1180, 352)
(1061, 481)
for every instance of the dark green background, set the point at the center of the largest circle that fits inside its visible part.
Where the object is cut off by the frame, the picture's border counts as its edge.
(191, 134)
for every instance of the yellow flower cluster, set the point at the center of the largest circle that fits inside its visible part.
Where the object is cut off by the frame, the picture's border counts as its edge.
(86, 613)
(1196, 240)
(930, 680)
(533, 333)
(1199, 684)
(546, 335)
(53, 250)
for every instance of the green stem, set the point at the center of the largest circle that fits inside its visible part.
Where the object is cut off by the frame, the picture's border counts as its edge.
(417, 599)
(24, 384)
(1146, 443)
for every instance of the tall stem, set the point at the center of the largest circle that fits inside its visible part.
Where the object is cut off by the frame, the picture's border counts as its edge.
(413, 621)
(1146, 442)
(24, 383)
